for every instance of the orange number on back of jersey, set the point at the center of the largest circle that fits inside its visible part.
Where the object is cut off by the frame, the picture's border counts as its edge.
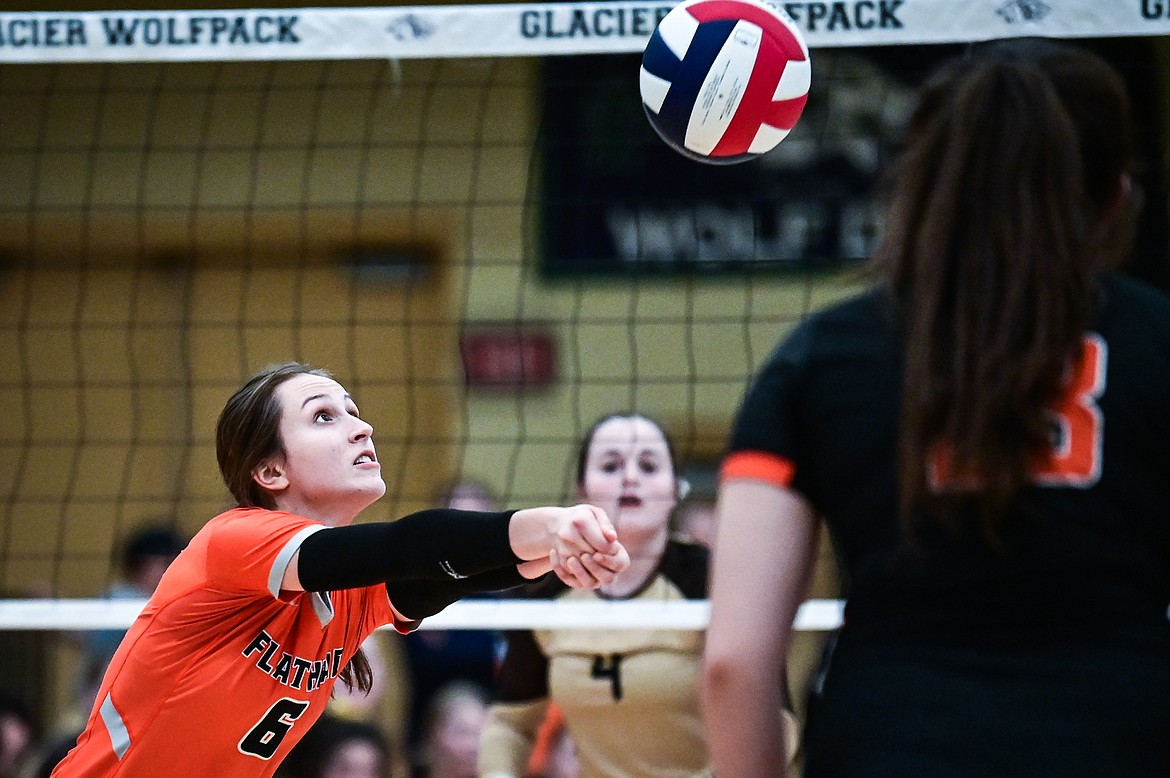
(1075, 456)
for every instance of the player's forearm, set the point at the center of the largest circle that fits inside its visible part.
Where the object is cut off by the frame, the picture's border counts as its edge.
(767, 535)
(534, 568)
(746, 742)
(432, 545)
(441, 543)
(418, 599)
(533, 531)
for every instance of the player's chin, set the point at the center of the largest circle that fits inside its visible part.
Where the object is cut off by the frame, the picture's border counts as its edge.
(371, 489)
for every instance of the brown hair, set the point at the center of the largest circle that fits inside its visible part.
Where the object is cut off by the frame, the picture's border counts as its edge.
(248, 434)
(998, 222)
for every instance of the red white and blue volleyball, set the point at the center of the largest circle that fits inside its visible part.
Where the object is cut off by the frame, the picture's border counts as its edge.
(724, 81)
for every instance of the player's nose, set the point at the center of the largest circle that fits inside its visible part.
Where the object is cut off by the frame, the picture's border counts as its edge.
(362, 429)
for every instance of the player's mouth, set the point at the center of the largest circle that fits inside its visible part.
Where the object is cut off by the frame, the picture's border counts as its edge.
(629, 501)
(366, 458)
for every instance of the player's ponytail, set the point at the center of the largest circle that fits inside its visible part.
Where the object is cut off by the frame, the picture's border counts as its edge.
(248, 432)
(994, 236)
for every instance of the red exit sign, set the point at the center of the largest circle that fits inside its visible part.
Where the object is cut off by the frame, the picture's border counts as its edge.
(508, 357)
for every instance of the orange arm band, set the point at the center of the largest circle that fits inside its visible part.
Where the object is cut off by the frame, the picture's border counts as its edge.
(758, 466)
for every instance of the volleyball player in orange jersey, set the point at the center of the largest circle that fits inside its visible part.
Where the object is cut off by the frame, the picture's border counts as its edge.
(236, 653)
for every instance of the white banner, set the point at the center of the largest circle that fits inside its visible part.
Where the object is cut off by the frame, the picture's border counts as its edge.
(530, 29)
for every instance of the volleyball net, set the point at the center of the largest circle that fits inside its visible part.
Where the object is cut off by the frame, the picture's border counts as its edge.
(459, 210)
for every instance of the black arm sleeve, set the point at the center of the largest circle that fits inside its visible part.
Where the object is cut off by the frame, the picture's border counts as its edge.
(435, 545)
(418, 599)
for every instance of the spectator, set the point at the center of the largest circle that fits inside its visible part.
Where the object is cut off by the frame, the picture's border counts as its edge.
(340, 748)
(453, 725)
(18, 735)
(145, 557)
(52, 752)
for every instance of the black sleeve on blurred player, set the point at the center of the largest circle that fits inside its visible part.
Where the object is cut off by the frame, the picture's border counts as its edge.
(433, 545)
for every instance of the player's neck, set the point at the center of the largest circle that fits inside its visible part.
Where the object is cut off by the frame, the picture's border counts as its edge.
(644, 564)
(330, 515)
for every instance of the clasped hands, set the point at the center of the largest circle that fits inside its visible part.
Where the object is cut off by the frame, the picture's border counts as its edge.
(586, 553)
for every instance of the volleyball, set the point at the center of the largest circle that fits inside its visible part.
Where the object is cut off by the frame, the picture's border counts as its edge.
(724, 81)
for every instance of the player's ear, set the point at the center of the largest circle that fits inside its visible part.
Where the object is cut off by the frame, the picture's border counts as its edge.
(270, 475)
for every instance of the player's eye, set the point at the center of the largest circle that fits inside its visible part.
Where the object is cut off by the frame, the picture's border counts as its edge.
(610, 467)
(322, 416)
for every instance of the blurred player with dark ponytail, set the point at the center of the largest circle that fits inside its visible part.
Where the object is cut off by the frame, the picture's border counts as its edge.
(984, 435)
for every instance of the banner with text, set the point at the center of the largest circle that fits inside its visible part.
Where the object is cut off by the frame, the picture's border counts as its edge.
(530, 29)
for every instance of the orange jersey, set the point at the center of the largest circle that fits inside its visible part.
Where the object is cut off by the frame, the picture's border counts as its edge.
(223, 673)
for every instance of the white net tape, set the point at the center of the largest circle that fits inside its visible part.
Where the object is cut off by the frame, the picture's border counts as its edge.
(86, 614)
